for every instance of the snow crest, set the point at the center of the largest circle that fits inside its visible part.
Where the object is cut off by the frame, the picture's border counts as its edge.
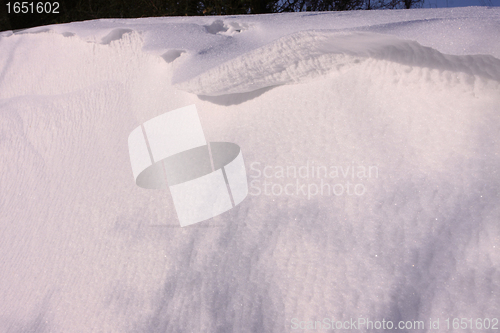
(309, 54)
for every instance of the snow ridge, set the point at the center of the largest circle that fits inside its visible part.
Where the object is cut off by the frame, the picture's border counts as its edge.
(309, 54)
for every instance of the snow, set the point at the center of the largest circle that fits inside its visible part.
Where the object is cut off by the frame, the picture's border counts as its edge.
(413, 94)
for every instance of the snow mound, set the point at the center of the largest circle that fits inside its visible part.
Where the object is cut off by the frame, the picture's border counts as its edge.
(84, 249)
(114, 35)
(309, 54)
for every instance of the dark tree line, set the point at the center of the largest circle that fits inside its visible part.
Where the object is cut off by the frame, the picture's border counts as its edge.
(79, 10)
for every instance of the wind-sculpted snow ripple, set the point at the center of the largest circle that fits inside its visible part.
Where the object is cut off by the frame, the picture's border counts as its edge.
(309, 54)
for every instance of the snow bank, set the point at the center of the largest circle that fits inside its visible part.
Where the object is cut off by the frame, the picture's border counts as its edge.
(309, 54)
(399, 93)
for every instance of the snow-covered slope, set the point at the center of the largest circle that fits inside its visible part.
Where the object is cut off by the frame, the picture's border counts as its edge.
(401, 109)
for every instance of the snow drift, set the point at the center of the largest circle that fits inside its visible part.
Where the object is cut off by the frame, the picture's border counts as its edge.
(309, 54)
(413, 95)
